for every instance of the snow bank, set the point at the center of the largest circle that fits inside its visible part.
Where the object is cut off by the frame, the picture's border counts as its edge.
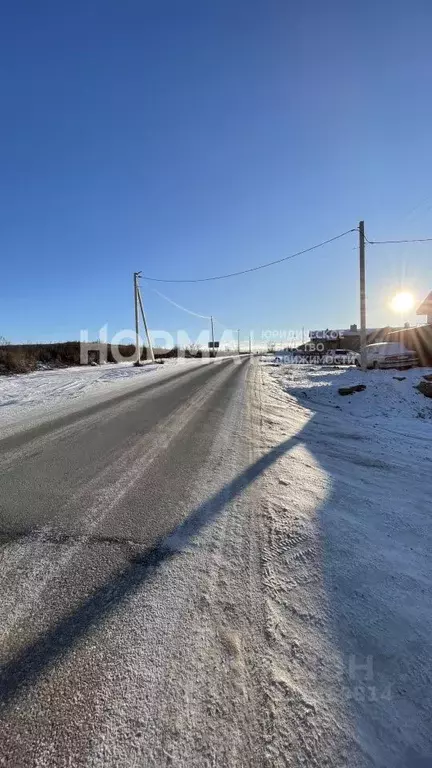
(348, 571)
(388, 393)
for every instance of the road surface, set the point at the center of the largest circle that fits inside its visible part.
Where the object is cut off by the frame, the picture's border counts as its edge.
(123, 641)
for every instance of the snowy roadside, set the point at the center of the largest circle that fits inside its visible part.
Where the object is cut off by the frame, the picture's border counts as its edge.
(346, 566)
(29, 398)
(389, 393)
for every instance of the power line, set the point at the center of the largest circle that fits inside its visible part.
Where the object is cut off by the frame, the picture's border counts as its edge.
(189, 311)
(385, 242)
(251, 269)
(219, 322)
(179, 306)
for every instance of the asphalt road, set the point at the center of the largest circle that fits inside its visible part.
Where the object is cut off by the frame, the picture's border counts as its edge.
(55, 477)
(86, 504)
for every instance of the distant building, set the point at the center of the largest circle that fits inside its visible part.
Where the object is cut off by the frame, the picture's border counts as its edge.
(425, 308)
(419, 338)
(345, 338)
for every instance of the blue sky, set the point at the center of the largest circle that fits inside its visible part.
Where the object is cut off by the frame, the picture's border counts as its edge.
(200, 137)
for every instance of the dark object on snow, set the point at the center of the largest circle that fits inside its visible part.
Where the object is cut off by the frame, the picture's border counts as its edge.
(425, 387)
(428, 376)
(351, 390)
(399, 378)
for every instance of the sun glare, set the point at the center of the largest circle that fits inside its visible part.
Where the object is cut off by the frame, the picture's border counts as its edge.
(402, 302)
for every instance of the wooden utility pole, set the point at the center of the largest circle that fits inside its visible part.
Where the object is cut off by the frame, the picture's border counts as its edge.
(363, 333)
(145, 325)
(137, 336)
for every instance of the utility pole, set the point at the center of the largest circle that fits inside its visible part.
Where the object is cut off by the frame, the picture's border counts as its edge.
(212, 354)
(363, 333)
(250, 343)
(145, 325)
(137, 336)
(238, 340)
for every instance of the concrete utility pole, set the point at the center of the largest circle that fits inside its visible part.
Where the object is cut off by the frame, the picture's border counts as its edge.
(363, 334)
(250, 343)
(212, 337)
(145, 325)
(238, 340)
(137, 336)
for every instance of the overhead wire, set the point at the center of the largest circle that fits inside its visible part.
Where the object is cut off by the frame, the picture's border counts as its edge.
(264, 266)
(189, 311)
(250, 269)
(385, 242)
(272, 263)
(179, 306)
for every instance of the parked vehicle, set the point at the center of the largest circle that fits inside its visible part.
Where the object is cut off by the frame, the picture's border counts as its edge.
(389, 354)
(339, 357)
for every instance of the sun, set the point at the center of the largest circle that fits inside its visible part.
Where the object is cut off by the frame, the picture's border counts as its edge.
(402, 302)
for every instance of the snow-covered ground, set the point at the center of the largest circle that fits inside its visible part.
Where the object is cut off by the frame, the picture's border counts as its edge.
(347, 566)
(32, 396)
(389, 393)
(288, 622)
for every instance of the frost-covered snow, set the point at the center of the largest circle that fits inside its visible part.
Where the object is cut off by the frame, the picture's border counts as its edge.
(348, 567)
(389, 393)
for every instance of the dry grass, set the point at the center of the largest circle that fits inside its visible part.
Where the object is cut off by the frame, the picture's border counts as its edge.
(24, 358)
